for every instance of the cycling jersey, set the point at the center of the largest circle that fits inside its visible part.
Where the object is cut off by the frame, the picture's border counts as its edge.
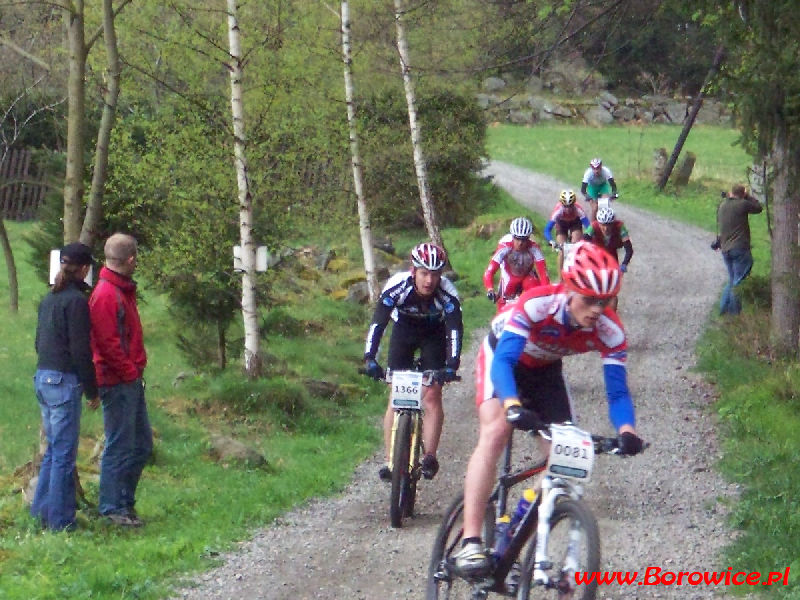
(617, 238)
(566, 218)
(596, 183)
(537, 332)
(417, 318)
(516, 268)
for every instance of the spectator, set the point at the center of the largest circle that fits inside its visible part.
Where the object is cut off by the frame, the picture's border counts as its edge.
(120, 359)
(64, 371)
(733, 239)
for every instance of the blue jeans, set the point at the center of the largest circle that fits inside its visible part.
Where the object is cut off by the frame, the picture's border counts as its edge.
(738, 262)
(129, 442)
(59, 396)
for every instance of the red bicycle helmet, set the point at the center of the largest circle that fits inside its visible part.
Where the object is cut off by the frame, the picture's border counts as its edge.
(591, 271)
(428, 256)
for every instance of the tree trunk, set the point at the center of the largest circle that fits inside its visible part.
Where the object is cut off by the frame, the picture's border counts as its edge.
(420, 165)
(785, 322)
(252, 354)
(13, 287)
(94, 209)
(358, 180)
(222, 357)
(76, 93)
(698, 102)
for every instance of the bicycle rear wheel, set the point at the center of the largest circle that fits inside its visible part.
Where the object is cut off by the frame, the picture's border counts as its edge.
(442, 582)
(401, 477)
(573, 547)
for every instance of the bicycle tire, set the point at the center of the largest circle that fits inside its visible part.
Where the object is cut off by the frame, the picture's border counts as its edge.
(567, 513)
(413, 468)
(442, 584)
(401, 451)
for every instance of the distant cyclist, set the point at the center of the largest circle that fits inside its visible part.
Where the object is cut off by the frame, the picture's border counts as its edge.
(610, 233)
(597, 181)
(520, 261)
(569, 220)
(426, 312)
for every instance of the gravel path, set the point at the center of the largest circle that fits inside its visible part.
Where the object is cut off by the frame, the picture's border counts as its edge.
(661, 509)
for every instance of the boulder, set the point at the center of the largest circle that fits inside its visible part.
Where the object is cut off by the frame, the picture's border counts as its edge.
(227, 450)
(521, 117)
(358, 293)
(597, 115)
(676, 112)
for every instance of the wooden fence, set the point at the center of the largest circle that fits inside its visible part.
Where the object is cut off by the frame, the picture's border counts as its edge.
(22, 188)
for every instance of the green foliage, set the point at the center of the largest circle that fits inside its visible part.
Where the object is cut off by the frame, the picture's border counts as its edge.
(631, 56)
(760, 74)
(453, 131)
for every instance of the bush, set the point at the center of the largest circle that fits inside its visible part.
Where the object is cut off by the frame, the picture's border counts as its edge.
(454, 134)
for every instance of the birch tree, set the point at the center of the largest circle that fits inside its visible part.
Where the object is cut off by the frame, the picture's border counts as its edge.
(252, 354)
(420, 166)
(358, 179)
(79, 46)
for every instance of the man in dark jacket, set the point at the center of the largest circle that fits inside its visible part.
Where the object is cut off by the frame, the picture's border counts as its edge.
(734, 241)
(120, 359)
(64, 372)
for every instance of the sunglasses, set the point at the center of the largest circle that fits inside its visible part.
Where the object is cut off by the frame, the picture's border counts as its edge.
(601, 302)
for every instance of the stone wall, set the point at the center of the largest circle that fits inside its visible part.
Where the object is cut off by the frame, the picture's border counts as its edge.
(528, 104)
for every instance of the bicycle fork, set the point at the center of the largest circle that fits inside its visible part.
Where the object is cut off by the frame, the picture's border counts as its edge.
(542, 562)
(416, 434)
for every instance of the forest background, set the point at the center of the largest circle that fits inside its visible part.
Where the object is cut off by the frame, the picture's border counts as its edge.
(171, 183)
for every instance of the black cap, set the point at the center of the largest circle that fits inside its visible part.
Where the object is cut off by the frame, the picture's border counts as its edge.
(77, 254)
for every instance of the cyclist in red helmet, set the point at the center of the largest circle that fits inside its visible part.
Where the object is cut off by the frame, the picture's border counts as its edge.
(519, 379)
(426, 312)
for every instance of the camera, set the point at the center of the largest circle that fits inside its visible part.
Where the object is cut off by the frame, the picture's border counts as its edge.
(715, 245)
(723, 194)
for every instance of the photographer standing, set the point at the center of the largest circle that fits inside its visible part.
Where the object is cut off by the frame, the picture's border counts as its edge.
(733, 239)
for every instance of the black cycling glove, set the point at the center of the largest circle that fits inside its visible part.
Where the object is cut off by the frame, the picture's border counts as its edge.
(522, 418)
(629, 444)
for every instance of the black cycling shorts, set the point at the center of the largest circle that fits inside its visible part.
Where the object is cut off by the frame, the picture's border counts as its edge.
(431, 341)
(566, 227)
(544, 390)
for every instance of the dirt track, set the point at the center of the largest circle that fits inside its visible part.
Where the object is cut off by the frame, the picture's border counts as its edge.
(661, 509)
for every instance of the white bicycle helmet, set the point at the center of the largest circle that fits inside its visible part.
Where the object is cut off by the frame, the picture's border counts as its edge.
(605, 214)
(428, 256)
(567, 197)
(521, 227)
(596, 162)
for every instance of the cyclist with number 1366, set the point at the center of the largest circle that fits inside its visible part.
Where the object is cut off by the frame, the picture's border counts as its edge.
(426, 312)
(519, 377)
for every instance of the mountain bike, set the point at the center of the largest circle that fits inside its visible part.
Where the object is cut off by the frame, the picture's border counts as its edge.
(406, 447)
(562, 531)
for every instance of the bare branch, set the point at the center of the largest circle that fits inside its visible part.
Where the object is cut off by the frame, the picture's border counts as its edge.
(25, 53)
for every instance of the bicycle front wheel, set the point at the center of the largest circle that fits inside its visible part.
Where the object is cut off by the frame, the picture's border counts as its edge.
(443, 583)
(401, 477)
(573, 547)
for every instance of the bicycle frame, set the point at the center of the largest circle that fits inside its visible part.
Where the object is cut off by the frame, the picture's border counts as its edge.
(537, 518)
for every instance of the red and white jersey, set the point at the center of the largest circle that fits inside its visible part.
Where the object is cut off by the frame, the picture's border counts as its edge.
(567, 213)
(540, 315)
(515, 266)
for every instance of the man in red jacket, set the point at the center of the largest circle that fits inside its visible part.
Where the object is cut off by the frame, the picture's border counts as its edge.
(119, 359)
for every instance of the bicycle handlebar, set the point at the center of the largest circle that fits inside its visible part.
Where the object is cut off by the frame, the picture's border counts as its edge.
(428, 376)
